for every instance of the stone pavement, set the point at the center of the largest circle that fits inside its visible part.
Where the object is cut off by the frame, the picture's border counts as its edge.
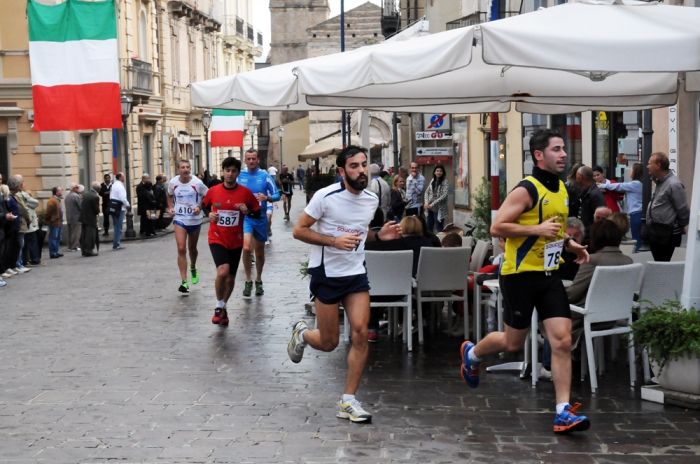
(101, 360)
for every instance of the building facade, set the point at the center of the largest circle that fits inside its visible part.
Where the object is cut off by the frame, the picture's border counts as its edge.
(163, 47)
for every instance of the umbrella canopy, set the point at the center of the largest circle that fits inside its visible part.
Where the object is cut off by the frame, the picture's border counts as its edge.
(331, 146)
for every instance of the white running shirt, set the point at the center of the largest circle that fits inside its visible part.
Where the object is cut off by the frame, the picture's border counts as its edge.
(339, 212)
(186, 197)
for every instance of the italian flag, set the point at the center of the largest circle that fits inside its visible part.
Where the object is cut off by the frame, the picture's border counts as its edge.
(227, 128)
(74, 63)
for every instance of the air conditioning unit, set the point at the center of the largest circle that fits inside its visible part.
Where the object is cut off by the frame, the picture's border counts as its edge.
(30, 115)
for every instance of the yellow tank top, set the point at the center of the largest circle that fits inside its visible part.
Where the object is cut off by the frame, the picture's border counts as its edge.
(531, 254)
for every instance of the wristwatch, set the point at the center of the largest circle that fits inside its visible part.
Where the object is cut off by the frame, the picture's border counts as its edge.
(566, 242)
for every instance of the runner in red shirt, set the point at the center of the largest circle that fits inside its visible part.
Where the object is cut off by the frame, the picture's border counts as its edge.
(228, 203)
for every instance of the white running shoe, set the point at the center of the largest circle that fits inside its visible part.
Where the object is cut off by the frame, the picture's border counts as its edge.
(295, 347)
(353, 410)
(22, 270)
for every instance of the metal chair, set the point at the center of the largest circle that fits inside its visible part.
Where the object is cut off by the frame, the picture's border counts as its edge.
(660, 282)
(468, 242)
(610, 299)
(480, 250)
(628, 247)
(389, 274)
(442, 270)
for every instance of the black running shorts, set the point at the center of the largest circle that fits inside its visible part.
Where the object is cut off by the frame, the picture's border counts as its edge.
(332, 290)
(223, 255)
(528, 290)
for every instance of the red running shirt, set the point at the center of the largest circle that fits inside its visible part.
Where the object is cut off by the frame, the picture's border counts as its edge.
(228, 230)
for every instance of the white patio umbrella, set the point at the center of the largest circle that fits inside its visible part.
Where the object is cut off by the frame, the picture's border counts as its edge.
(331, 146)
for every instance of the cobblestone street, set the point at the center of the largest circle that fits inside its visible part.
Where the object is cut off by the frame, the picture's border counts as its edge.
(101, 360)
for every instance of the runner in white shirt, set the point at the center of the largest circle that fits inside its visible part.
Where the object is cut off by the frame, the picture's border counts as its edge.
(273, 172)
(185, 195)
(342, 213)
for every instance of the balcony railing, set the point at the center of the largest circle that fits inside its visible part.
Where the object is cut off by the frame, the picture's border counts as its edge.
(471, 20)
(138, 75)
(251, 34)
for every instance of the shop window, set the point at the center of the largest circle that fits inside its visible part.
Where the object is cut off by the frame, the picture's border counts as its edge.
(148, 155)
(609, 133)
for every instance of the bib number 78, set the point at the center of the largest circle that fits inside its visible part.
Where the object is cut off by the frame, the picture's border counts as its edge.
(552, 253)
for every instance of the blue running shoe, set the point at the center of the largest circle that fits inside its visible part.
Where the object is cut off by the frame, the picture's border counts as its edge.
(469, 369)
(568, 421)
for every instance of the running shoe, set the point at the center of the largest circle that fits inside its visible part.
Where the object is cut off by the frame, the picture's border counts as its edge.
(295, 347)
(469, 369)
(220, 316)
(258, 288)
(353, 410)
(195, 275)
(568, 421)
(248, 288)
(184, 288)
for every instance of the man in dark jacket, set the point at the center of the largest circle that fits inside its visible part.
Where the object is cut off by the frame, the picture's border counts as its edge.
(104, 193)
(591, 198)
(142, 208)
(89, 237)
(162, 200)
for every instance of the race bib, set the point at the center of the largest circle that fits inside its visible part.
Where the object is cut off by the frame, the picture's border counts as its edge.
(228, 218)
(552, 253)
(184, 210)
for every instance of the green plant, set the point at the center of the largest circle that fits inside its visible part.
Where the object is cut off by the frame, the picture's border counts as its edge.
(667, 331)
(304, 269)
(481, 211)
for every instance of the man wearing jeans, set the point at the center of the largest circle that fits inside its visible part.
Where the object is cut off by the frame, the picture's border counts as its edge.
(53, 217)
(415, 183)
(118, 193)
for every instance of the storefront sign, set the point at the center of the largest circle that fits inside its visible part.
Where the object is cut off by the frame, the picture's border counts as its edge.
(673, 138)
(433, 135)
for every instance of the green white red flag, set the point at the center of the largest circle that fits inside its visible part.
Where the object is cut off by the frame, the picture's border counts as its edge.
(227, 128)
(73, 56)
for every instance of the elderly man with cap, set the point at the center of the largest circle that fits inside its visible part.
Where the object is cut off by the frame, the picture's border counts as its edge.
(380, 188)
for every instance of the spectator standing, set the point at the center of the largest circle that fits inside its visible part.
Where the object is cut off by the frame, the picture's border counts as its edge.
(612, 198)
(89, 211)
(300, 175)
(272, 170)
(5, 216)
(31, 253)
(415, 183)
(590, 199)
(573, 190)
(214, 181)
(162, 200)
(12, 232)
(633, 200)
(436, 199)
(150, 204)
(25, 221)
(668, 213)
(73, 204)
(53, 217)
(142, 209)
(105, 189)
(380, 188)
(398, 199)
(118, 193)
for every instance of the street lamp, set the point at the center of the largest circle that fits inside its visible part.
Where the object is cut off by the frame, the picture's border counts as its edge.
(280, 134)
(126, 111)
(206, 121)
(251, 129)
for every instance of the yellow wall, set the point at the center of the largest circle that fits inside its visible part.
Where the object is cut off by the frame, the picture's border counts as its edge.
(296, 139)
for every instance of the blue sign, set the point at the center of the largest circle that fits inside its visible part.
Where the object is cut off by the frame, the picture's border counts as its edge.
(436, 121)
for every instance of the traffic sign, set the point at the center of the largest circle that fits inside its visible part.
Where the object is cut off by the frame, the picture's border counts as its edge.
(434, 151)
(433, 135)
(440, 121)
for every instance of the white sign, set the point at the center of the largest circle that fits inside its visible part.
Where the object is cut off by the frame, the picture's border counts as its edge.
(434, 151)
(433, 135)
(440, 121)
(673, 138)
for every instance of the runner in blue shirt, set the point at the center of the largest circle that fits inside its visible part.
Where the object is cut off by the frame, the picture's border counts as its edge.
(255, 230)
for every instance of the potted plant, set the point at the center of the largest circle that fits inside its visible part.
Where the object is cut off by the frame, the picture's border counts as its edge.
(671, 335)
(481, 212)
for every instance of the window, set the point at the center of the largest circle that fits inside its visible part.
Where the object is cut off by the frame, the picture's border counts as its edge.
(197, 149)
(608, 137)
(569, 125)
(143, 36)
(147, 148)
(85, 150)
(461, 160)
(176, 57)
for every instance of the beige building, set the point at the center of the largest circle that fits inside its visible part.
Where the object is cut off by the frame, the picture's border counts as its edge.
(163, 47)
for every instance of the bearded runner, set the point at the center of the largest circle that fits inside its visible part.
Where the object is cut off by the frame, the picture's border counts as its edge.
(74, 64)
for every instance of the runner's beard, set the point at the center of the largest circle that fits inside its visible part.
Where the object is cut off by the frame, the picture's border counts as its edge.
(359, 183)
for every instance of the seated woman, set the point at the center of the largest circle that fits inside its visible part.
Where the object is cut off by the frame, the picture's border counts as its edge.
(412, 239)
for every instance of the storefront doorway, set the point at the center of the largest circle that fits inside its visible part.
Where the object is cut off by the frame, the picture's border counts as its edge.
(609, 133)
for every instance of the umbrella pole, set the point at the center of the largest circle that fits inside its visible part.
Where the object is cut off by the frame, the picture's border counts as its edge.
(495, 191)
(690, 297)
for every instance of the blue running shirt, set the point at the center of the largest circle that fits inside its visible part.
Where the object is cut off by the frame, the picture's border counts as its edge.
(259, 182)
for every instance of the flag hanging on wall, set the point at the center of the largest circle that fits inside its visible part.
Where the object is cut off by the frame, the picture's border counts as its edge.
(74, 63)
(227, 128)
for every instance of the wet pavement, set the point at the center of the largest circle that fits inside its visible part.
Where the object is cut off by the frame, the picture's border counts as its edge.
(101, 360)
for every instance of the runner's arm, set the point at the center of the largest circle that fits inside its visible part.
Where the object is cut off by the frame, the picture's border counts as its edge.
(304, 232)
(518, 201)
(272, 192)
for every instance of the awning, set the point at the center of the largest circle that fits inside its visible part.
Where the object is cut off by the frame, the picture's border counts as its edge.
(331, 146)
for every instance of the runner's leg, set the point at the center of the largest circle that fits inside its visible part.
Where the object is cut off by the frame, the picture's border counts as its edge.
(181, 240)
(357, 308)
(559, 335)
(192, 240)
(496, 342)
(259, 248)
(220, 283)
(325, 338)
(247, 250)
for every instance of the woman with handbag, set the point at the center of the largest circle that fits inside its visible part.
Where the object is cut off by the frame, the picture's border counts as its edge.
(436, 199)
